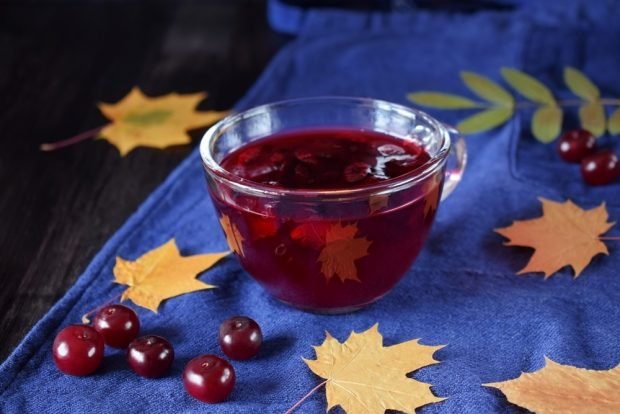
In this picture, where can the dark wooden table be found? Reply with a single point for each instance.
(57, 59)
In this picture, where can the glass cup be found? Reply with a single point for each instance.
(331, 250)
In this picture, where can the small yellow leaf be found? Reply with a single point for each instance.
(592, 117)
(547, 123)
(528, 86)
(341, 250)
(558, 388)
(484, 120)
(580, 85)
(565, 235)
(614, 123)
(487, 89)
(442, 100)
(233, 236)
(162, 273)
(139, 120)
(363, 376)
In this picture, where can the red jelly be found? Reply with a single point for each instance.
(320, 252)
(325, 159)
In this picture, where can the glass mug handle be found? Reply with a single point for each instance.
(456, 162)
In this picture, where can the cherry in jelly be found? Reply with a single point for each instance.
(325, 159)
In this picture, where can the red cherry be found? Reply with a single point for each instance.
(78, 350)
(576, 144)
(600, 168)
(209, 378)
(150, 356)
(117, 324)
(240, 337)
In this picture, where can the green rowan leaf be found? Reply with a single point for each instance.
(547, 123)
(442, 100)
(528, 86)
(592, 117)
(484, 120)
(487, 89)
(614, 123)
(580, 85)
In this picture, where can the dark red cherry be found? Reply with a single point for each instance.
(576, 144)
(600, 168)
(117, 324)
(209, 378)
(240, 337)
(78, 350)
(150, 356)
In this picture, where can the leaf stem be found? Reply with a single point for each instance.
(562, 103)
(609, 101)
(304, 398)
(609, 238)
(51, 146)
(85, 319)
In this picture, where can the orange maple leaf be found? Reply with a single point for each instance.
(558, 388)
(233, 236)
(565, 235)
(341, 251)
(162, 273)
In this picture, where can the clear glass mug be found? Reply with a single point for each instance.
(330, 250)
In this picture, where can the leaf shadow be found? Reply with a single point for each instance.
(500, 396)
(114, 362)
(179, 365)
(276, 345)
(246, 389)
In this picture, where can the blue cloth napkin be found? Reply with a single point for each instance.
(462, 292)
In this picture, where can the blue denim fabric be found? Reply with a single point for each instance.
(462, 292)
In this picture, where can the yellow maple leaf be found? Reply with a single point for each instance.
(233, 235)
(161, 274)
(160, 122)
(558, 388)
(565, 235)
(363, 376)
(341, 250)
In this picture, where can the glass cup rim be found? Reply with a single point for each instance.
(381, 188)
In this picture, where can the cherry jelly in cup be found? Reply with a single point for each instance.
(327, 201)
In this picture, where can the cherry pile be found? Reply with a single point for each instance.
(78, 350)
(597, 167)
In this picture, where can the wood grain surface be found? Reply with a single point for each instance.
(57, 59)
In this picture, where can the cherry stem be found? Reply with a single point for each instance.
(85, 319)
(609, 238)
(51, 146)
(304, 398)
